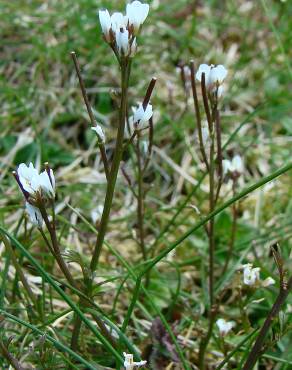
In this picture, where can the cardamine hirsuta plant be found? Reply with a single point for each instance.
(68, 314)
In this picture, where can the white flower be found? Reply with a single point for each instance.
(250, 275)
(220, 91)
(105, 23)
(129, 363)
(141, 117)
(224, 326)
(233, 166)
(33, 182)
(122, 41)
(118, 21)
(34, 215)
(136, 14)
(100, 133)
(204, 68)
(214, 76)
(268, 281)
(96, 213)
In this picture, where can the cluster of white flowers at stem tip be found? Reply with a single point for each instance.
(214, 77)
(251, 276)
(37, 188)
(224, 326)
(129, 363)
(120, 30)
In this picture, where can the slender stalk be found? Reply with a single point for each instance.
(57, 253)
(89, 111)
(233, 232)
(205, 340)
(205, 101)
(198, 115)
(75, 333)
(257, 347)
(211, 236)
(219, 148)
(211, 233)
(125, 70)
(150, 145)
(140, 199)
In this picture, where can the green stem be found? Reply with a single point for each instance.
(57, 253)
(233, 234)
(125, 70)
(140, 199)
(211, 235)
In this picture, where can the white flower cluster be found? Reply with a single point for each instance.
(36, 187)
(235, 166)
(224, 326)
(140, 118)
(129, 363)
(214, 77)
(120, 30)
(34, 183)
(251, 276)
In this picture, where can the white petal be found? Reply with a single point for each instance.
(237, 164)
(34, 215)
(99, 132)
(118, 21)
(218, 74)
(141, 117)
(105, 21)
(226, 166)
(45, 184)
(137, 13)
(203, 68)
(224, 326)
(122, 40)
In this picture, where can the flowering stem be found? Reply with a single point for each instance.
(125, 71)
(57, 253)
(233, 232)
(211, 233)
(90, 113)
(205, 101)
(198, 115)
(257, 347)
(211, 236)
(219, 148)
(140, 199)
(150, 145)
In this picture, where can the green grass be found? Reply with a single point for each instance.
(43, 118)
